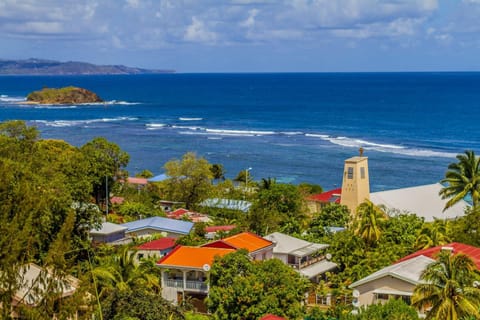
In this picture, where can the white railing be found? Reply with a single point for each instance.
(191, 285)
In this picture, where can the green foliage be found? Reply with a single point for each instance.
(145, 174)
(332, 215)
(242, 289)
(462, 179)
(394, 309)
(308, 188)
(63, 95)
(105, 160)
(278, 208)
(466, 229)
(432, 234)
(190, 179)
(368, 222)
(218, 171)
(139, 304)
(138, 210)
(447, 288)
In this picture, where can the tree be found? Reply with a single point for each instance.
(394, 309)
(462, 179)
(277, 208)
(190, 179)
(332, 215)
(432, 235)
(245, 289)
(106, 160)
(267, 183)
(448, 288)
(368, 221)
(218, 171)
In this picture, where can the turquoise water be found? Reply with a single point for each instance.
(294, 127)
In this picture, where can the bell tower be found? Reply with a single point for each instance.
(355, 183)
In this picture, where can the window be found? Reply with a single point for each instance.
(362, 172)
(350, 173)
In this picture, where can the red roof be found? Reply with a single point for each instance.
(178, 213)
(471, 251)
(159, 244)
(220, 228)
(271, 317)
(328, 196)
(117, 200)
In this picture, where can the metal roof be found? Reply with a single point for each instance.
(408, 270)
(318, 268)
(423, 201)
(160, 224)
(108, 228)
(290, 245)
(231, 204)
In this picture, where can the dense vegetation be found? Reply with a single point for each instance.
(66, 95)
(53, 193)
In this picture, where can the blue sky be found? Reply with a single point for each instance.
(247, 35)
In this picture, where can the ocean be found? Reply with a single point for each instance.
(294, 127)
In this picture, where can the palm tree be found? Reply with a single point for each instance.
(448, 289)
(121, 272)
(432, 235)
(462, 179)
(368, 221)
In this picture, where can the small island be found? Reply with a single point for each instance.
(66, 95)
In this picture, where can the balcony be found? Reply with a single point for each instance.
(189, 284)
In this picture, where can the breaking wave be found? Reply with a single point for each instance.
(79, 123)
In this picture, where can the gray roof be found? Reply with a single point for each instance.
(160, 224)
(108, 228)
(424, 201)
(408, 270)
(318, 268)
(290, 245)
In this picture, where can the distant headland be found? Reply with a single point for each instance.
(50, 67)
(66, 95)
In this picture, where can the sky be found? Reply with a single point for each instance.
(247, 35)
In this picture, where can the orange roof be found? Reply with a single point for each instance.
(247, 240)
(192, 257)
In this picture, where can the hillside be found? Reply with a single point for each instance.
(51, 67)
(66, 95)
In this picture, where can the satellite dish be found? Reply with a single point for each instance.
(328, 256)
(206, 267)
(476, 284)
(356, 293)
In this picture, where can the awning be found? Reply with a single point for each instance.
(392, 292)
(318, 268)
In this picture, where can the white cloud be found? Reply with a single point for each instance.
(197, 31)
(250, 21)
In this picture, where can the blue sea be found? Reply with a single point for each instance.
(292, 127)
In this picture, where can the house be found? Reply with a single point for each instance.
(400, 279)
(309, 259)
(156, 248)
(212, 231)
(316, 202)
(185, 273)
(33, 287)
(109, 233)
(158, 225)
(195, 217)
(258, 248)
(396, 281)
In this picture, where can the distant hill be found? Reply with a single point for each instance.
(51, 67)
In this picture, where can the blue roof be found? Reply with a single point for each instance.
(159, 178)
(160, 224)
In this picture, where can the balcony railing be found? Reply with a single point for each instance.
(190, 284)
